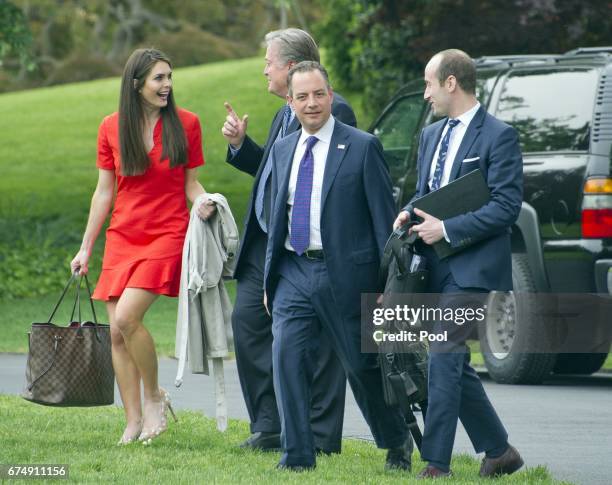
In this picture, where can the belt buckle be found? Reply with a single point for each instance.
(314, 254)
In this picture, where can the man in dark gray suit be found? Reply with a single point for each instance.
(251, 323)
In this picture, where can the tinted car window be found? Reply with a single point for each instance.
(551, 109)
(396, 131)
(485, 82)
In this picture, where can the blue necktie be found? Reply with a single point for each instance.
(260, 197)
(300, 216)
(286, 120)
(437, 177)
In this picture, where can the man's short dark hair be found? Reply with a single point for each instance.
(307, 66)
(454, 62)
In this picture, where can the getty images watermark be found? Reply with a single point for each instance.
(391, 322)
(520, 322)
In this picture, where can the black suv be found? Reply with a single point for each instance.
(561, 106)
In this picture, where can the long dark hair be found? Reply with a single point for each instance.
(134, 157)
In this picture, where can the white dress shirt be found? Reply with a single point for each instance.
(454, 143)
(319, 153)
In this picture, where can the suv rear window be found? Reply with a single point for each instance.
(550, 109)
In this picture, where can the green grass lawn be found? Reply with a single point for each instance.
(191, 451)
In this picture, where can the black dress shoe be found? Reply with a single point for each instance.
(431, 471)
(262, 441)
(506, 464)
(295, 468)
(400, 458)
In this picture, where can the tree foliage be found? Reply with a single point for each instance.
(76, 40)
(377, 45)
(15, 36)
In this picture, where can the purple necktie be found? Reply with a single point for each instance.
(300, 216)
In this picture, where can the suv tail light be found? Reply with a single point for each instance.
(597, 208)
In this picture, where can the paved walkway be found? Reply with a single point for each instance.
(565, 425)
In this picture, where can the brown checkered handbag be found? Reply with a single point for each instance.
(70, 366)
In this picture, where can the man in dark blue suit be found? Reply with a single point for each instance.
(331, 214)
(251, 323)
(467, 139)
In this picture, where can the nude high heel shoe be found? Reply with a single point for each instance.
(147, 436)
(168, 404)
(126, 440)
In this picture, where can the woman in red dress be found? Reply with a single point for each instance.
(149, 151)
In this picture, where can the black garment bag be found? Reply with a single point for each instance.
(403, 364)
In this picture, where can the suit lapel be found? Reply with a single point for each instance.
(294, 125)
(273, 133)
(472, 132)
(338, 146)
(429, 154)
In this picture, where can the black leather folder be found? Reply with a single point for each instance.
(465, 194)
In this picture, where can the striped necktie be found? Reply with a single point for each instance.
(437, 178)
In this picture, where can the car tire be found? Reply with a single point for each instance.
(511, 325)
(579, 363)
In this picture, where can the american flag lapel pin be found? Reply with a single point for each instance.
(341, 147)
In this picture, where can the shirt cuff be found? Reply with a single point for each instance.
(233, 149)
(444, 231)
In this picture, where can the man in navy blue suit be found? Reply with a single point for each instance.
(331, 215)
(251, 323)
(467, 139)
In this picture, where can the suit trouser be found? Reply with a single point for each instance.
(303, 305)
(252, 328)
(455, 390)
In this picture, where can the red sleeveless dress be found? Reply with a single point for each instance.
(144, 240)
